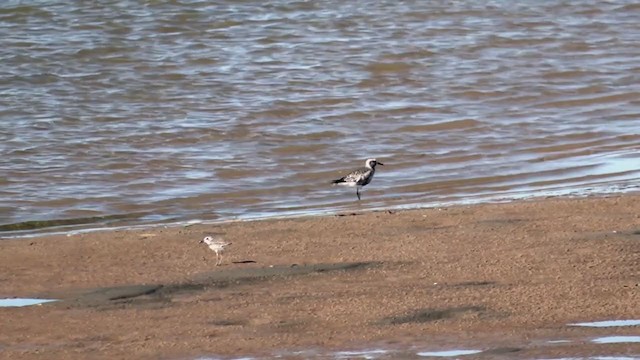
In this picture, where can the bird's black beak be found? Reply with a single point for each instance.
(379, 163)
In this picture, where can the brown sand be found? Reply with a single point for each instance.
(506, 278)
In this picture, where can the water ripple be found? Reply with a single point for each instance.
(216, 110)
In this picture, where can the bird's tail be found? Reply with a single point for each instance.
(338, 181)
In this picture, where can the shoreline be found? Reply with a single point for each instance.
(77, 228)
(503, 276)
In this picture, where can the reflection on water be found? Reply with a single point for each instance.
(20, 302)
(559, 341)
(381, 354)
(616, 339)
(215, 358)
(599, 358)
(365, 354)
(609, 323)
(448, 353)
(125, 112)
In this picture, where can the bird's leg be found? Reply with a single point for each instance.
(358, 192)
(217, 259)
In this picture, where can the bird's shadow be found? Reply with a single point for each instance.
(244, 262)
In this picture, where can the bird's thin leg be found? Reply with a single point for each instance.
(358, 192)
(217, 259)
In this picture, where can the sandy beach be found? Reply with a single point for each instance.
(506, 279)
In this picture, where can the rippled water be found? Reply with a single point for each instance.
(154, 111)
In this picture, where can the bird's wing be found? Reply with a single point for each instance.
(354, 176)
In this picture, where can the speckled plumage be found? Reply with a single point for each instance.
(359, 177)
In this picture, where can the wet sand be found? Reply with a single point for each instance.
(504, 278)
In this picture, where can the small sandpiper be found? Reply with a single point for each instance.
(216, 244)
(360, 177)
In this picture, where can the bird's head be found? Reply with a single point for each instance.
(371, 163)
(207, 240)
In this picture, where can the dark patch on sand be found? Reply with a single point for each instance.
(157, 294)
(473, 283)
(286, 326)
(249, 275)
(501, 351)
(428, 315)
(224, 322)
(93, 297)
(347, 214)
(503, 221)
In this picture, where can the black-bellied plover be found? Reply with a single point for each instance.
(360, 177)
(216, 244)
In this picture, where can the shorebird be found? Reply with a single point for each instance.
(360, 177)
(216, 244)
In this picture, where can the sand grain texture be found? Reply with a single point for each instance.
(505, 278)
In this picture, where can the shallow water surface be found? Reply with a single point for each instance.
(616, 339)
(20, 302)
(396, 354)
(120, 112)
(448, 353)
(599, 358)
(608, 323)
(363, 354)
